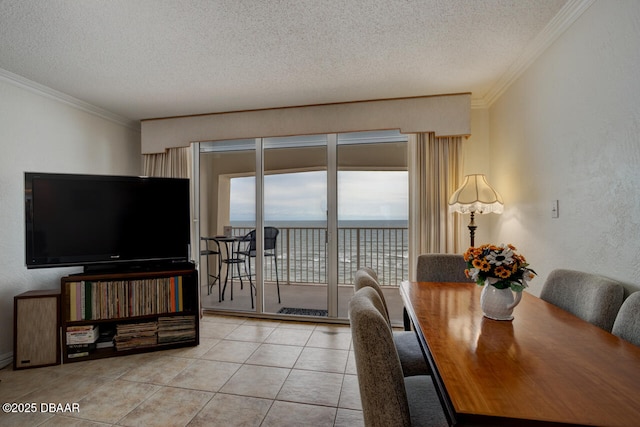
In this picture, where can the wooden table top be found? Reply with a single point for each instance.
(545, 365)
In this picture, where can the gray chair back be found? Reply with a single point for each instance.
(366, 277)
(441, 268)
(380, 377)
(627, 323)
(371, 272)
(591, 297)
(409, 352)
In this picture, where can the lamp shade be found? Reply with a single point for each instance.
(475, 195)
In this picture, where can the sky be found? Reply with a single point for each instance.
(362, 195)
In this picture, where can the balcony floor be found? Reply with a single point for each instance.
(310, 296)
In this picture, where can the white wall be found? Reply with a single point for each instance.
(41, 134)
(477, 159)
(569, 129)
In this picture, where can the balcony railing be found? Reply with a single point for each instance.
(301, 254)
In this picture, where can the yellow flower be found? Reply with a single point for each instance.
(502, 272)
(519, 258)
(482, 264)
(493, 264)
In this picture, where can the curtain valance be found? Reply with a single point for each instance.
(442, 115)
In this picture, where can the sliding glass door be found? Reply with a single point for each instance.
(313, 209)
(227, 188)
(295, 207)
(372, 190)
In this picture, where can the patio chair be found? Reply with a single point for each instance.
(388, 398)
(269, 249)
(212, 276)
(409, 351)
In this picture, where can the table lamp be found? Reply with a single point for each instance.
(475, 195)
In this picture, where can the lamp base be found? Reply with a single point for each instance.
(472, 229)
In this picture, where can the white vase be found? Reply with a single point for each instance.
(498, 304)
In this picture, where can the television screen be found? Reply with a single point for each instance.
(74, 220)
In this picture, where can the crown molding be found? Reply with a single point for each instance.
(478, 103)
(47, 92)
(569, 13)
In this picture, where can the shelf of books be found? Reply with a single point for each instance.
(115, 314)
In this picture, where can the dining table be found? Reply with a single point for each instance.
(544, 367)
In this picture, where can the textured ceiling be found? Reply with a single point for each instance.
(152, 58)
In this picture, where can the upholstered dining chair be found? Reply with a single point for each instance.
(388, 398)
(411, 358)
(627, 323)
(434, 267)
(441, 268)
(591, 297)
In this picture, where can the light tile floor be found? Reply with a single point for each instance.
(245, 372)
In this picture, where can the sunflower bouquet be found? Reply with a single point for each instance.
(499, 266)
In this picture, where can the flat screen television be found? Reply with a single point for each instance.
(106, 222)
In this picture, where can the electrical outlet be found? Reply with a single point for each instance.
(555, 213)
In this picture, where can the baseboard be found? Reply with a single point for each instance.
(6, 359)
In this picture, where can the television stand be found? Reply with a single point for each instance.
(111, 314)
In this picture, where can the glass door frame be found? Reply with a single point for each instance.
(259, 204)
(332, 225)
(332, 272)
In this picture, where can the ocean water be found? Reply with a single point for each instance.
(302, 252)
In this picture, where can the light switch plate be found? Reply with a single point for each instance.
(554, 209)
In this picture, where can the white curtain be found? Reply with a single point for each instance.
(173, 163)
(435, 172)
